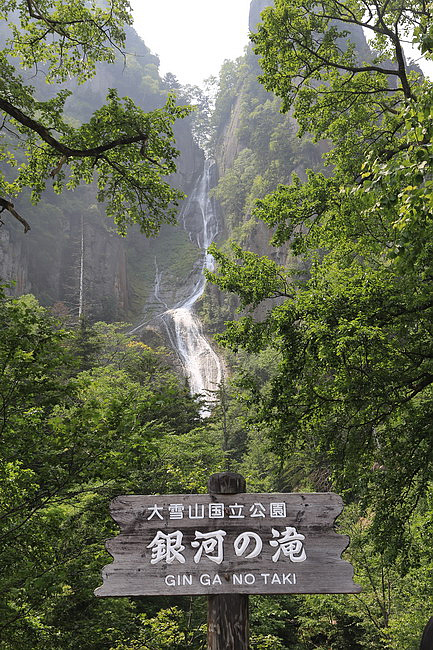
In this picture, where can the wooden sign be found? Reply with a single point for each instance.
(227, 544)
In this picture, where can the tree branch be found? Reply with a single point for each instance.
(340, 66)
(7, 205)
(62, 148)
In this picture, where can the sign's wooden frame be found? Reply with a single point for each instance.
(227, 544)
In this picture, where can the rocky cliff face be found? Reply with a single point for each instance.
(14, 260)
(256, 8)
(72, 232)
(64, 239)
(257, 148)
(72, 252)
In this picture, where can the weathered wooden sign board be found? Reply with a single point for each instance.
(227, 544)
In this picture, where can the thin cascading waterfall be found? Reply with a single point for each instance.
(81, 281)
(202, 365)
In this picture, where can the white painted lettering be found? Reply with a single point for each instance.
(235, 511)
(205, 579)
(275, 579)
(180, 580)
(265, 577)
(167, 548)
(216, 580)
(216, 511)
(277, 509)
(196, 511)
(155, 510)
(237, 579)
(257, 510)
(243, 541)
(249, 579)
(287, 578)
(289, 543)
(176, 510)
(211, 544)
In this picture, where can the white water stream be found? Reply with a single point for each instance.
(201, 364)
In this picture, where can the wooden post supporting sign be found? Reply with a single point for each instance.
(227, 544)
(427, 637)
(228, 616)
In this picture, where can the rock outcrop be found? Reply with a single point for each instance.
(72, 254)
(256, 8)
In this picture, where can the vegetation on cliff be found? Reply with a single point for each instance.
(350, 396)
(128, 151)
(331, 374)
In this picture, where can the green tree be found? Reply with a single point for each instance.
(70, 441)
(127, 151)
(354, 385)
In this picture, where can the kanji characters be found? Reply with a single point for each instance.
(257, 510)
(274, 509)
(216, 511)
(211, 544)
(196, 511)
(167, 547)
(176, 510)
(277, 510)
(155, 510)
(236, 510)
(289, 543)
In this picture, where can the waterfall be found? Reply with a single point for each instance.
(201, 364)
(81, 284)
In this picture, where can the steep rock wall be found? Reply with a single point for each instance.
(256, 8)
(257, 148)
(71, 231)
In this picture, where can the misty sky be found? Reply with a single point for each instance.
(192, 37)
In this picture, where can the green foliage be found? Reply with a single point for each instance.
(71, 440)
(81, 34)
(354, 382)
(339, 377)
(201, 118)
(171, 629)
(233, 188)
(350, 399)
(128, 151)
(79, 437)
(257, 277)
(228, 85)
(249, 126)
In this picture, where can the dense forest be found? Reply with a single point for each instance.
(318, 305)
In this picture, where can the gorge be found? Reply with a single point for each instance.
(304, 362)
(203, 368)
(73, 260)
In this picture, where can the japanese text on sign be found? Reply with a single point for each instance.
(169, 547)
(274, 510)
(216, 543)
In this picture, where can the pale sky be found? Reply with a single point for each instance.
(192, 37)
